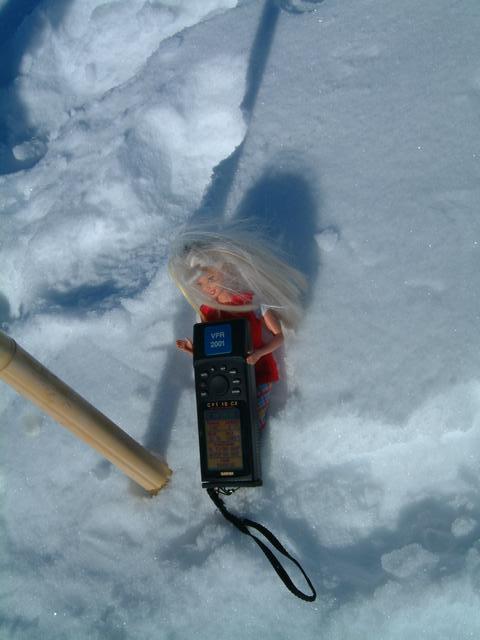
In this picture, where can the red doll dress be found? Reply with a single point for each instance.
(266, 370)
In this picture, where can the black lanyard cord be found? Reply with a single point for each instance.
(243, 525)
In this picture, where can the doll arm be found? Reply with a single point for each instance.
(273, 325)
(185, 345)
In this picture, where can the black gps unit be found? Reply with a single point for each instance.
(226, 404)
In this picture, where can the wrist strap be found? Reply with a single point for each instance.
(243, 525)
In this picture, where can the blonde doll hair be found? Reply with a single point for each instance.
(246, 264)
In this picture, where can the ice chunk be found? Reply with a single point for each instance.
(32, 149)
(327, 239)
(463, 526)
(408, 561)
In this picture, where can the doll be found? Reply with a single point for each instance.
(226, 275)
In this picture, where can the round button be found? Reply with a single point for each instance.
(218, 385)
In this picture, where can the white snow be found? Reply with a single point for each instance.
(349, 130)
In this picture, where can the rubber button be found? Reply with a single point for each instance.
(218, 385)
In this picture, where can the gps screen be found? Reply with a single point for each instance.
(224, 439)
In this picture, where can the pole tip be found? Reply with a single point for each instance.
(7, 350)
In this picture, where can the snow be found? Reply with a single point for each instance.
(349, 130)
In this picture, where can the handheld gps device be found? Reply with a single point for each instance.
(228, 429)
(226, 404)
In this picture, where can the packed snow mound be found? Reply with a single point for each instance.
(149, 146)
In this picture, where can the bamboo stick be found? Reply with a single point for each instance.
(32, 380)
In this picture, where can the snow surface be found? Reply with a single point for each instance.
(350, 130)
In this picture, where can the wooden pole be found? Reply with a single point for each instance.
(32, 380)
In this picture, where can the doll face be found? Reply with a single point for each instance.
(210, 282)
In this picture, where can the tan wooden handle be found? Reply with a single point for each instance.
(32, 380)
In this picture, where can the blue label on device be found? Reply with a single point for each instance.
(218, 339)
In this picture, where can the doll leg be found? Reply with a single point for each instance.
(263, 402)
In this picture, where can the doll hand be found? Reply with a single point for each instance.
(253, 358)
(185, 345)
